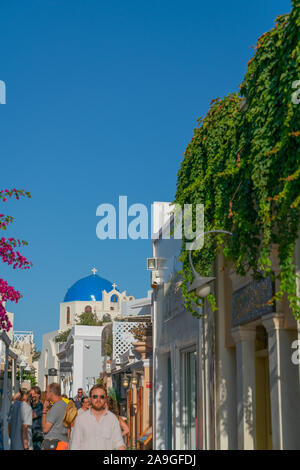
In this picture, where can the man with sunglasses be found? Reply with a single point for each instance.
(97, 428)
(78, 398)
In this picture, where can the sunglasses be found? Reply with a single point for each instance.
(94, 397)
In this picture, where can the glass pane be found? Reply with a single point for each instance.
(189, 400)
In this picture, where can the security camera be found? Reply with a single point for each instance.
(157, 278)
(154, 285)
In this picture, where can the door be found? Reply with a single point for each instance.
(263, 404)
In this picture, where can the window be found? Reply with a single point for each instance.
(88, 309)
(114, 298)
(68, 315)
(188, 399)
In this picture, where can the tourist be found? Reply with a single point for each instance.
(20, 423)
(112, 406)
(85, 405)
(37, 412)
(97, 428)
(78, 397)
(52, 421)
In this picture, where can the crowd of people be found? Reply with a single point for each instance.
(61, 423)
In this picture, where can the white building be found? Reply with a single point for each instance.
(81, 359)
(226, 381)
(179, 374)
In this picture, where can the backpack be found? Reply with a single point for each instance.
(70, 414)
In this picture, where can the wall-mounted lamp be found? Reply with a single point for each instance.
(130, 379)
(125, 382)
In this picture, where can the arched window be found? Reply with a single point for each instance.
(88, 309)
(68, 315)
(114, 298)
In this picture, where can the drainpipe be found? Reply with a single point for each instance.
(154, 339)
(154, 326)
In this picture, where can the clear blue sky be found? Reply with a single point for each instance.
(102, 99)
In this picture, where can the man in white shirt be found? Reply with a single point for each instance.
(20, 424)
(97, 428)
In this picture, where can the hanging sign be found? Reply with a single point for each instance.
(65, 367)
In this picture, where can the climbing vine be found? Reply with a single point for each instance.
(243, 164)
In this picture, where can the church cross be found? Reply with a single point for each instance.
(114, 285)
(94, 270)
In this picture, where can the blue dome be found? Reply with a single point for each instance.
(87, 286)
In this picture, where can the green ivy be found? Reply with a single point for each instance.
(243, 165)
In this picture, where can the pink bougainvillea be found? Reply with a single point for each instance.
(10, 255)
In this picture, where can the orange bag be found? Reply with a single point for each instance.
(62, 445)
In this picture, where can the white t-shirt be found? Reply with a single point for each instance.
(90, 434)
(20, 413)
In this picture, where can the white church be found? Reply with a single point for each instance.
(91, 294)
(77, 361)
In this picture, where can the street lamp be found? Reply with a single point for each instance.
(125, 382)
(134, 379)
(200, 284)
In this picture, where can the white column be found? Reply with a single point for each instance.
(284, 384)
(244, 338)
(226, 437)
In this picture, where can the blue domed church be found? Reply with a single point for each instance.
(91, 294)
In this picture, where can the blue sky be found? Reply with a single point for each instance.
(102, 99)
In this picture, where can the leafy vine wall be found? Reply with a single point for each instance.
(243, 164)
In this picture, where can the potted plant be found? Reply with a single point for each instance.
(143, 334)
